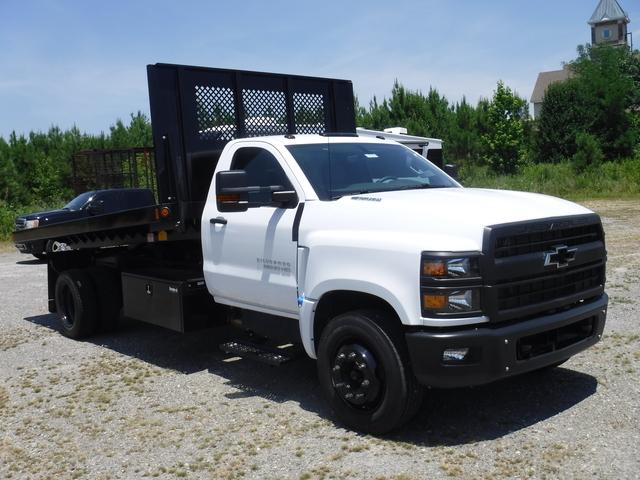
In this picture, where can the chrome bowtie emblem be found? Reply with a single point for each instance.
(561, 257)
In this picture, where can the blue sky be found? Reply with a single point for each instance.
(68, 62)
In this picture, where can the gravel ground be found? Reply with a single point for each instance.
(148, 403)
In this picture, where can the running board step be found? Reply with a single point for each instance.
(262, 353)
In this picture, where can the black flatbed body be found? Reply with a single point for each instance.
(139, 225)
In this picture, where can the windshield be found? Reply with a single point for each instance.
(78, 202)
(341, 169)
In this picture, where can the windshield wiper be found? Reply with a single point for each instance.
(364, 192)
(421, 187)
(359, 192)
(407, 187)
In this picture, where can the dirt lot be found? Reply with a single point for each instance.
(147, 403)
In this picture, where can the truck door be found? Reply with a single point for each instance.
(250, 261)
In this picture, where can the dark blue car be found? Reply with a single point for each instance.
(86, 204)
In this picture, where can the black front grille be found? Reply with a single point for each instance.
(531, 242)
(521, 283)
(20, 224)
(549, 287)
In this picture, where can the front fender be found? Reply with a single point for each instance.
(308, 305)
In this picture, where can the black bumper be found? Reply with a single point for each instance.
(30, 247)
(497, 352)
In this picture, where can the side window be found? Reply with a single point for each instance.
(262, 169)
(97, 198)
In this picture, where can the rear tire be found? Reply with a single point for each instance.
(76, 304)
(364, 372)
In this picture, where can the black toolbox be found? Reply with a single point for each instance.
(174, 299)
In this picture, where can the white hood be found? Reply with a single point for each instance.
(442, 219)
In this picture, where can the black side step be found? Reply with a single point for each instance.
(262, 353)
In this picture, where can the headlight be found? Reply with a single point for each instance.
(451, 301)
(450, 284)
(445, 267)
(31, 224)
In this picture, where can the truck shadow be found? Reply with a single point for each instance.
(33, 261)
(447, 417)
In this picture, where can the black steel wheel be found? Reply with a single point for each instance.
(76, 304)
(365, 374)
(355, 376)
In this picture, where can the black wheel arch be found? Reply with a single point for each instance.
(337, 302)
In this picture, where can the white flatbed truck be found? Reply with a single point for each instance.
(274, 214)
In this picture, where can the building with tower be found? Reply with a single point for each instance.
(609, 26)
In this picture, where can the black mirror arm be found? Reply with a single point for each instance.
(252, 189)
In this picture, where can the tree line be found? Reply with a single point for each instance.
(591, 118)
(35, 169)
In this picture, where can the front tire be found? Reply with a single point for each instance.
(364, 372)
(76, 304)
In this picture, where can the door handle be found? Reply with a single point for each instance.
(219, 220)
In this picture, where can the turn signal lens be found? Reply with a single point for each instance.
(228, 197)
(435, 302)
(165, 212)
(434, 269)
(451, 301)
(449, 267)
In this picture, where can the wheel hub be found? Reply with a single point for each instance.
(68, 309)
(354, 376)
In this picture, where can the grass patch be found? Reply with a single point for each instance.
(608, 180)
(7, 247)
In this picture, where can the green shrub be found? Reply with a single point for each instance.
(588, 152)
(8, 214)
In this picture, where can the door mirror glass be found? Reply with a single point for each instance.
(232, 191)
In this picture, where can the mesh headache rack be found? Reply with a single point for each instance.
(195, 111)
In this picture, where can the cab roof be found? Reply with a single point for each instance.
(306, 139)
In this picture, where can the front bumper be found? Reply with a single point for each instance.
(497, 352)
(30, 247)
